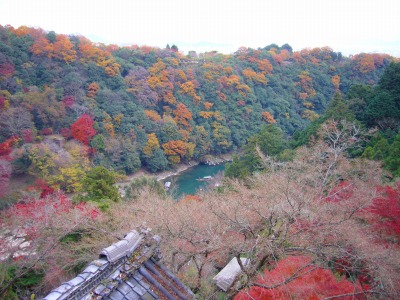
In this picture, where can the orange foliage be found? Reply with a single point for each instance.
(233, 80)
(42, 46)
(364, 62)
(266, 115)
(298, 58)
(154, 82)
(64, 49)
(168, 97)
(189, 198)
(306, 84)
(252, 75)
(182, 115)
(303, 96)
(92, 90)
(102, 58)
(25, 30)
(228, 70)
(249, 73)
(146, 49)
(182, 75)
(315, 61)
(336, 82)
(152, 115)
(175, 150)
(265, 66)
(188, 89)
(176, 147)
(208, 105)
(157, 67)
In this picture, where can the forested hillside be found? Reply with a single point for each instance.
(127, 107)
(312, 199)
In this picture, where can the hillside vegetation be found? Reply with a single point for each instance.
(128, 107)
(310, 197)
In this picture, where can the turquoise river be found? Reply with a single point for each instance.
(187, 183)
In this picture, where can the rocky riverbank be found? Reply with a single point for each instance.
(216, 160)
(160, 175)
(210, 160)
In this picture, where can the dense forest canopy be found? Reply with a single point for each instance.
(305, 200)
(158, 107)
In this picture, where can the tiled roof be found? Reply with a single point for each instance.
(127, 270)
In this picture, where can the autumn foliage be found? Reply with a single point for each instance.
(61, 49)
(384, 213)
(295, 277)
(6, 147)
(182, 116)
(82, 130)
(175, 150)
(266, 115)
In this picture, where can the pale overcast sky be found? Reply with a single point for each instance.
(349, 26)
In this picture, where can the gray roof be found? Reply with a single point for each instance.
(138, 275)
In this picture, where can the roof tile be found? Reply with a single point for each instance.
(116, 295)
(121, 281)
(124, 288)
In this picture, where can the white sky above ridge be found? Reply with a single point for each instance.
(348, 26)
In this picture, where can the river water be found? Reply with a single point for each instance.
(186, 183)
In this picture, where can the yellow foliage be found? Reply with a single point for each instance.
(182, 75)
(206, 114)
(310, 115)
(118, 119)
(157, 67)
(308, 104)
(151, 145)
(174, 159)
(154, 82)
(190, 150)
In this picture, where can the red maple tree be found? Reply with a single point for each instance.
(82, 130)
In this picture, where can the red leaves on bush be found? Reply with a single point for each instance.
(6, 147)
(68, 101)
(82, 130)
(294, 277)
(384, 213)
(53, 210)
